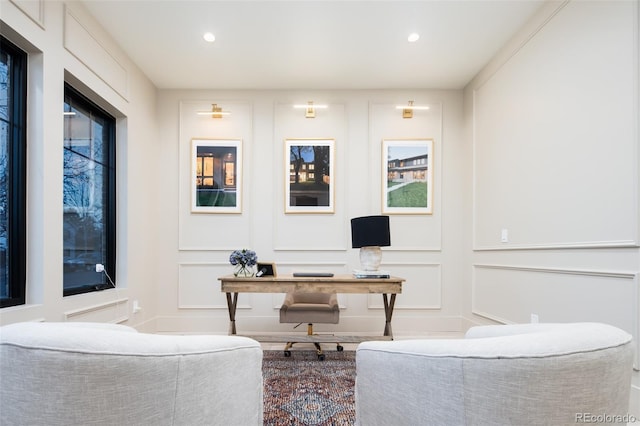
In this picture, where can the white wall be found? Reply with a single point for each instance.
(198, 245)
(544, 144)
(65, 44)
(554, 124)
(168, 258)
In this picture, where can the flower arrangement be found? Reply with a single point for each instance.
(244, 260)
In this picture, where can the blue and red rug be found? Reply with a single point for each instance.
(301, 390)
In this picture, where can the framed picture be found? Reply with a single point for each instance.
(309, 175)
(266, 269)
(216, 176)
(407, 176)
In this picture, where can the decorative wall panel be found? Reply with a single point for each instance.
(79, 40)
(421, 290)
(408, 232)
(510, 294)
(33, 9)
(115, 311)
(553, 167)
(222, 232)
(199, 288)
(311, 231)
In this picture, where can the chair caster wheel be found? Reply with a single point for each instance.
(320, 357)
(287, 354)
(339, 348)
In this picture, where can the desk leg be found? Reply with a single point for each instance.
(388, 312)
(232, 302)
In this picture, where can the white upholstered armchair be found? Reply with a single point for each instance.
(105, 374)
(533, 374)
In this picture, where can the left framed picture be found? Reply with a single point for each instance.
(216, 176)
(309, 175)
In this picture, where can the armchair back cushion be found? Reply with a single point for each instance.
(533, 374)
(97, 374)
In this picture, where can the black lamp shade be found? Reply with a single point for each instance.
(370, 231)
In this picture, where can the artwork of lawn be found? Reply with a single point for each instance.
(407, 172)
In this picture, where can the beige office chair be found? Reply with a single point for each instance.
(321, 308)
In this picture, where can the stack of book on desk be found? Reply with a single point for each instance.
(358, 273)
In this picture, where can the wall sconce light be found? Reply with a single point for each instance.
(310, 109)
(216, 112)
(407, 110)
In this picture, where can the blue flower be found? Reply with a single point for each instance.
(243, 257)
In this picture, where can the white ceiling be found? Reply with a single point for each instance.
(305, 44)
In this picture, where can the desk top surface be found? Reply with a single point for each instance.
(291, 278)
(286, 283)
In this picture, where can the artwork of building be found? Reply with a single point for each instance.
(404, 170)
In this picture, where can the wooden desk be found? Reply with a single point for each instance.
(388, 287)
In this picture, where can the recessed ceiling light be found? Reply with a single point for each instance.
(209, 37)
(413, 37)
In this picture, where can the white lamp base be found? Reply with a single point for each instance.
(370, 258)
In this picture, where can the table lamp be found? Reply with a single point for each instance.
(369, 233)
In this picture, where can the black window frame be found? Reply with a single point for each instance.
(103, 281)
(17, 176)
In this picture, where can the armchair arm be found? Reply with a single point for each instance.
(405, 386)
(507, 330)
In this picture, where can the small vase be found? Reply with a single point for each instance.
(243, 271)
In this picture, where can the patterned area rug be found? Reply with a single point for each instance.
(301, 390)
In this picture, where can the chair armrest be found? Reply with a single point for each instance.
(506, 330)
(400, 386)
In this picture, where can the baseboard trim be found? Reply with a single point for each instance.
(402, 325)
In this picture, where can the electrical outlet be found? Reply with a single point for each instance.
(136, 307)
(534, 318)
(504, 236)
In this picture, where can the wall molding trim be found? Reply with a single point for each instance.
(207, 249)
(403, 326)
(426, 249)
(628, 278)
(90, 51)
(588, 272)
(550, 11)
(114, 305)
(299, 249)
(494, 318)
(556, 246)
(32, 9)
(182, 306)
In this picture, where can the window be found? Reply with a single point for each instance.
(13, 177)
(89, 195)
